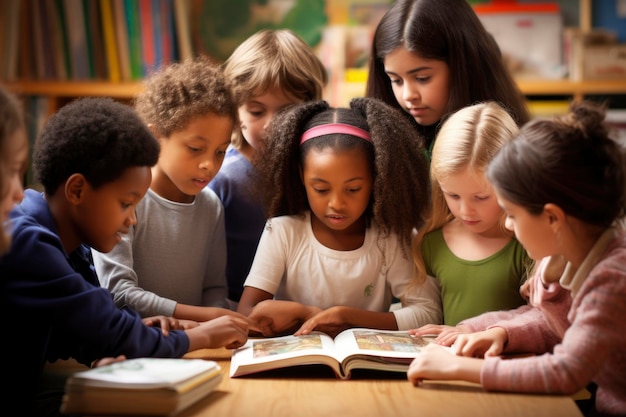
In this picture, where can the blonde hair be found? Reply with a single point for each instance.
(469, 138)
(274, 59)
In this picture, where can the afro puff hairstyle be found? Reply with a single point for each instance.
(401, 190)
(96, 137)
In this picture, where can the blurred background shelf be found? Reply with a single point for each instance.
(576, 89)
(125, 90)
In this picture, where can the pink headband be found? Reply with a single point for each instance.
(332, 128)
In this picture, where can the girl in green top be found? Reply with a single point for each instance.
(477, 262)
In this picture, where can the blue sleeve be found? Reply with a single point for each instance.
(64, 314)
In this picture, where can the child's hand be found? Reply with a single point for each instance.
(226, 331)
(276, 317)
(330, 321)
(446, 335)
(166, 323)
(108, 360)
(434, 362)
(486, 343)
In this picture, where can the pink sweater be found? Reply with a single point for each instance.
(593, 347)
(548, 305)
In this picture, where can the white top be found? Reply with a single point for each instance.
(293, 265)
(175, 253)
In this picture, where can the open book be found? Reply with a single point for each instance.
(384, 350)
(143, 386)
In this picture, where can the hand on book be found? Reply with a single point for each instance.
(434, 362)
(330, 321)
(489, 342)
(226, 331)
(278, 317)
(446, 335)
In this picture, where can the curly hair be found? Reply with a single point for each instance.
(274, 58)
(97, 137)
(569, 160)
(182, 91)
(448, 31)
(469, 138)
(11, 121)
(400, 192)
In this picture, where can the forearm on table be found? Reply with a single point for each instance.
(356, 317)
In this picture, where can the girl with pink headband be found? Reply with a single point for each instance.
(344, 190)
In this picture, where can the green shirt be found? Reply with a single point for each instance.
(470, 288)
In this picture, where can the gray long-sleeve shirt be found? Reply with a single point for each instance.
(175, 253)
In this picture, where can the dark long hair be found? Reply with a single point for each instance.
(401, 191)
(449, 31)
(569, 161)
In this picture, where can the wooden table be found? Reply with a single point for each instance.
(299, 396)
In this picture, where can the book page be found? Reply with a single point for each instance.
(385, 350)
(378, 343)
(279, 352)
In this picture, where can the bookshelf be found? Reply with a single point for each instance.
(126, 90)
(72, 89)
(183, 33)
(576, 89)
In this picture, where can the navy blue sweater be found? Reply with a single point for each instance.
(54, 307)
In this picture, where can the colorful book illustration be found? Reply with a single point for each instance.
(382, 350)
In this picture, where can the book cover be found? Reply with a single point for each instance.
(134, 38)
(58, 44)
(77, 38)
(382, 350)
(146, 31)
(41, 55)
(142, 386)
(10, 16)
(26, 56)
(182, 16)
(157, 36)
(169, 53)
(121, 36)
(110, 43)
(64, 37)
(98, 64)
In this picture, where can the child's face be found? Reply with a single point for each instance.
(338, 186)
(421, 86)
(191, 157)
(472, 201)
(532, 231)
(15, 161)
(256, 113)
(107, 212)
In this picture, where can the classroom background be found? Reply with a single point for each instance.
(53, 51)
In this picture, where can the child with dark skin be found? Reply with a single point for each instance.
(94, 160)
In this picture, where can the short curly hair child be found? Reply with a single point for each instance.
(97, 137)
(181, 91)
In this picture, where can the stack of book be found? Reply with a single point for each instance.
(143, 386)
